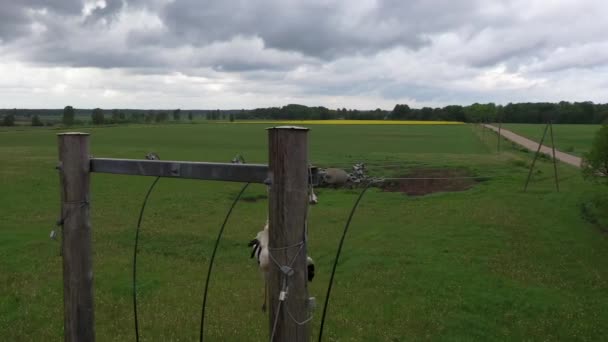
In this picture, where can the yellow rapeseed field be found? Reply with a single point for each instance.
(351, 122)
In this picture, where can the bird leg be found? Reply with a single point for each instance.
(265, 296)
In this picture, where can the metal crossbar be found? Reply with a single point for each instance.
(246, 173)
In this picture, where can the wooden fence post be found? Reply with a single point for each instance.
(288, 204)
(74, 170)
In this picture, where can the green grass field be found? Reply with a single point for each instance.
(490, 263)
(575, 139)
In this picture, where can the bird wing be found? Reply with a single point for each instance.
(255, 243)
(310, 268)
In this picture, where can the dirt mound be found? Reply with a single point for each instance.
(429, 180)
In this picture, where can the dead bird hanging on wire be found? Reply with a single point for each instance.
(260, 251)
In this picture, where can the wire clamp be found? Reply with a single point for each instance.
(288, 271)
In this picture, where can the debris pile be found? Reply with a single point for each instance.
(339, 178)
(238, 159)
(417, 182)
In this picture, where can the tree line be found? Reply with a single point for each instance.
(71, 116)
(539, 112)
(117, 116)
(562, 112)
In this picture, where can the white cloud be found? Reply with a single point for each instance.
(361, 54)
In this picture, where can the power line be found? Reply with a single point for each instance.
(380, 180)
(141, 214)
(217, 242)
(333, 271)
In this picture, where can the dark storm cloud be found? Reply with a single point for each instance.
(316, 28)
(432, 51)
(326, 30)
(488, 33)
(16, 16)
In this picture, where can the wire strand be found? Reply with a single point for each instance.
(278, 264)
(333, 271)
(217, 242)
(381, 179)
(276, 320)
(286, 247)
(141, 214)
(70, 211)
(304, 322)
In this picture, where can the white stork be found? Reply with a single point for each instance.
(260, 251)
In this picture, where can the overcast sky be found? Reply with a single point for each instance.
(256, 53)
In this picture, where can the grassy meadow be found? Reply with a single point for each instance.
(490, 263)
(574, 139)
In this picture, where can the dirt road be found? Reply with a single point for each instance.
(533, 146)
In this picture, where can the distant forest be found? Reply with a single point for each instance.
(562, 112)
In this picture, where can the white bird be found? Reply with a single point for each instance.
(260, 251)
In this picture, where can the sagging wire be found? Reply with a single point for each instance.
(333, 271)
(137, 229)
(149, 156)
(217, 242)
(304, 322)
(380, 180)
(350, 217)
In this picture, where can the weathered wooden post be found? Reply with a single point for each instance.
(74, 170)
(288, 204)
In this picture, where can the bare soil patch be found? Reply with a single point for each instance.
(424, 181)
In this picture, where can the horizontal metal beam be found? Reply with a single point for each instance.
(252, 173)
